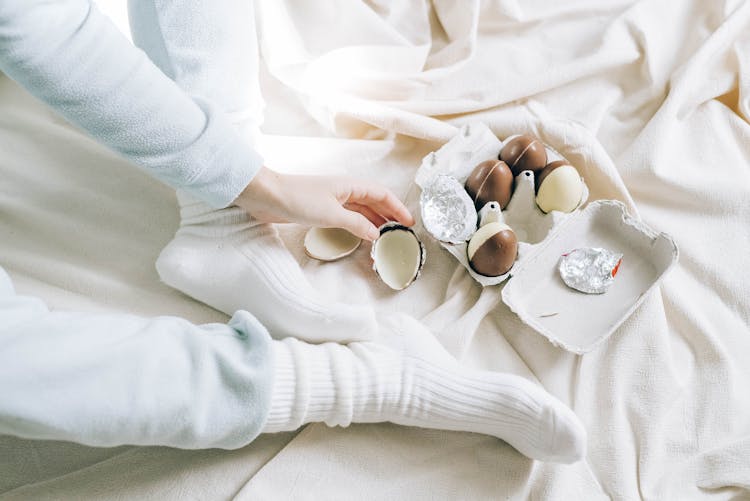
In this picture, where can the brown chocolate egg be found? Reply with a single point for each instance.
(524, 153)
(559, 187)
(490, 181)
(492, 249)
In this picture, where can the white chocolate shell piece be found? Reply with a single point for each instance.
(483, 234)
(397, 255)
(329, 244)
(448, 213)
(561, 190)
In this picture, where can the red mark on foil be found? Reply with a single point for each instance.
(617, 267)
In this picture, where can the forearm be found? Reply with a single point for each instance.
(73, 58)
(209, 48)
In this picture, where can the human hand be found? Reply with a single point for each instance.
(356, 205)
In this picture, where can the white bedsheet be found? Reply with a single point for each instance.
(651, 100)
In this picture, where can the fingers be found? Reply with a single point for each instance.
(355, 223)
(370, 214)
(376, 197)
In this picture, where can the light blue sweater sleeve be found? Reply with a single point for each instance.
(113, 379)
(69, 55)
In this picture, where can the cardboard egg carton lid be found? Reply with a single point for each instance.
(534, 290)
(574, 320)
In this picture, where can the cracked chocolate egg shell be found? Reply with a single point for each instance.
(330, 244)
(397, 255)
(490, 181)
(559, 187)
(524, 153)
(493, 249)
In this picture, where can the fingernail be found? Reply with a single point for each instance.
(373, 234)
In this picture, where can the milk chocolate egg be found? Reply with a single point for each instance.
(490, 181)
(559, 187)
(524, 153)
(492, 249)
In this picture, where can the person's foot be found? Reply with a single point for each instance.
(227, 260)
(408, 379)
(446, 395)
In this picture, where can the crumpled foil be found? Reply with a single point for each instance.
(448, 212)
(591, 269)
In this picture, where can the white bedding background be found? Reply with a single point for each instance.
(650, 100)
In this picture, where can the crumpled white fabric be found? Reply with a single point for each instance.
(650, 100)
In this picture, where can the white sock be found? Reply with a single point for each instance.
(231, 262)
(417, 384)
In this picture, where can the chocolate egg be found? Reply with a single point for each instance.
(559, 187)
(493, 249)
(524, 153)
(490, 181)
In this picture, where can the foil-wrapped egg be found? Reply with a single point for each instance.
(447, 211)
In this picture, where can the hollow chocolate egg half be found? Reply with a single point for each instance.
(492, 249)
(559, 187)
(330, 244)
(397, 255)
(490, 181)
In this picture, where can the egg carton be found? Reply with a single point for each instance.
(534, 290)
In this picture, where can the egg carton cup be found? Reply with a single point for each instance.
(535, 291)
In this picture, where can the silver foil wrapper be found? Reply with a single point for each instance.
(591, 270)
(447, 210)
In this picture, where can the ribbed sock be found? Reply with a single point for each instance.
(229, 261)
(417, 384)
